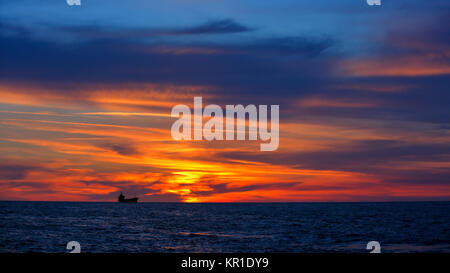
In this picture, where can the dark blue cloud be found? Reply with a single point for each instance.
(251, 65)
(370, 157)
(121, 148)
(214, 27)
(226, 188)
(226, 26)
(15, 171)
(259, 71)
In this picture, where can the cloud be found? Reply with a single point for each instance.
(162, 197)
(14, 172)
(112, 61)
(121, 148)
(362, 155)
(407, 52)
(215, 27)
(225, 26)
(292, 45)
(227, 188)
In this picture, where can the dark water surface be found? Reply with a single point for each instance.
(227, 227)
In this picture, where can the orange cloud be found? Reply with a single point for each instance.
(409, 66)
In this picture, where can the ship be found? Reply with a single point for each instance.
(122, 199)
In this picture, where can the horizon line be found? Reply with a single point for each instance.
(244, 202)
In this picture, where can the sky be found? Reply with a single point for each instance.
(86, 94)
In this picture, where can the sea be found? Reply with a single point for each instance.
(224, 227)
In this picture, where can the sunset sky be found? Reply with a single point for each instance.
(86, 95)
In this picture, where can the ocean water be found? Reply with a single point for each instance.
(224, 227)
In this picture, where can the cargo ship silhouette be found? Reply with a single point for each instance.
(122, 199)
